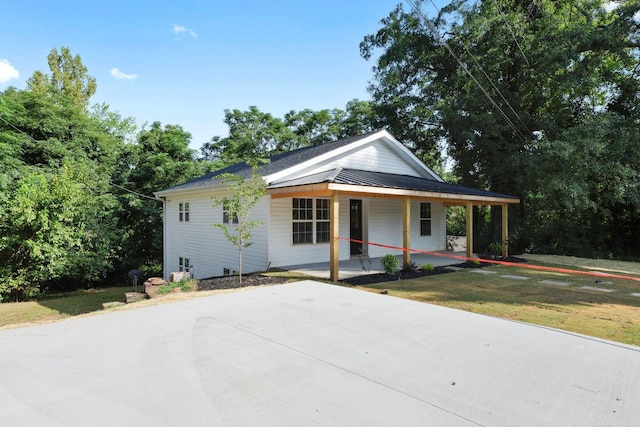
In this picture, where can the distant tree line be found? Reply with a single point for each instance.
(533, 99)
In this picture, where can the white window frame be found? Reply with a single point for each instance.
(426, 217)
(184, 264)
(183, 212)
(319, 214)
(225, 217)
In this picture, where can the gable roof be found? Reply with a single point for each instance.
(281, 162)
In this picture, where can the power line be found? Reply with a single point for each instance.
(111, 183)
(487, 77)
(506, 21)
(135, 192)
(464, 67)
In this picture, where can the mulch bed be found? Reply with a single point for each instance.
(232, 282)
(253, 279)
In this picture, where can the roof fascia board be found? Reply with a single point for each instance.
(324, 189)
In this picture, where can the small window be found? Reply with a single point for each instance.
(225, 217)
(183, 212)
(183, 264)
(425, 219)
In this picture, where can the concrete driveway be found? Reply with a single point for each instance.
(311, 354)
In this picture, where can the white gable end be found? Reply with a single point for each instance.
(378, 153)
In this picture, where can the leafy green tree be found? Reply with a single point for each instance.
(245, 194)
(54, 227)
(509, 84)
(160, 158)
(255, 135)
(68, 75)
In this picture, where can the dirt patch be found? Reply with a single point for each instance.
(233, 282)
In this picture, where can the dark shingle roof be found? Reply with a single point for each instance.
(387, 180)
(276, 162)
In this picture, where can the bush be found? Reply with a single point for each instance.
(186, 285)
(427, 267)
(410, 268)
(495, 249)
(389, 263)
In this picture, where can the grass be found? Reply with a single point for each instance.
(59, 306)
(610, 315)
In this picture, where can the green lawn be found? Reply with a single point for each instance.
(59, 306)
(610, 315)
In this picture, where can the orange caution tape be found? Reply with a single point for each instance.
(507, 263)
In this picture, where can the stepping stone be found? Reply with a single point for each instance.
(635, 294)
(481, 271)
(553, 282)
(515, 277)
(593, 288)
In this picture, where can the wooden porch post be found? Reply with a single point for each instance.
(406, 230)
(505, 230)
(469, 229)
(334, 234)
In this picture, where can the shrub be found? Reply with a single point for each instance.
(410, 268)
(186, 285)
(495, 249)
(427, 267)
(389, 263)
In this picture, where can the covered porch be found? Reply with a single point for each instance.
(342, 183)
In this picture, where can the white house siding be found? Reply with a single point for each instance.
(206, 247)
(382, 219)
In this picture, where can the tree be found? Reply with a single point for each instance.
(68, 75)
(255, 135)
(506, 85)
(245, 194)
(160, 158)
(54, 227)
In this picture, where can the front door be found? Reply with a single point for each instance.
(355, 225)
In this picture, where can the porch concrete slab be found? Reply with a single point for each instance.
(362, 266)
(308, 353)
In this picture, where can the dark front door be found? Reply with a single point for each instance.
(355, 225)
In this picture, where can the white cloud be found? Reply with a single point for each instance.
(178, 29)
(611, 5)
(7, 71)
(120, 75)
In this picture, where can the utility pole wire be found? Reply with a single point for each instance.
(464, 67)
(157, 199)
(486, 76)
(511, 31)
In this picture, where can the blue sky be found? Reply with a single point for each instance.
(185, 62)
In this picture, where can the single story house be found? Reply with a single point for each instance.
(322, 204)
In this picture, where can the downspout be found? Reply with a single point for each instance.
(165, 264)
